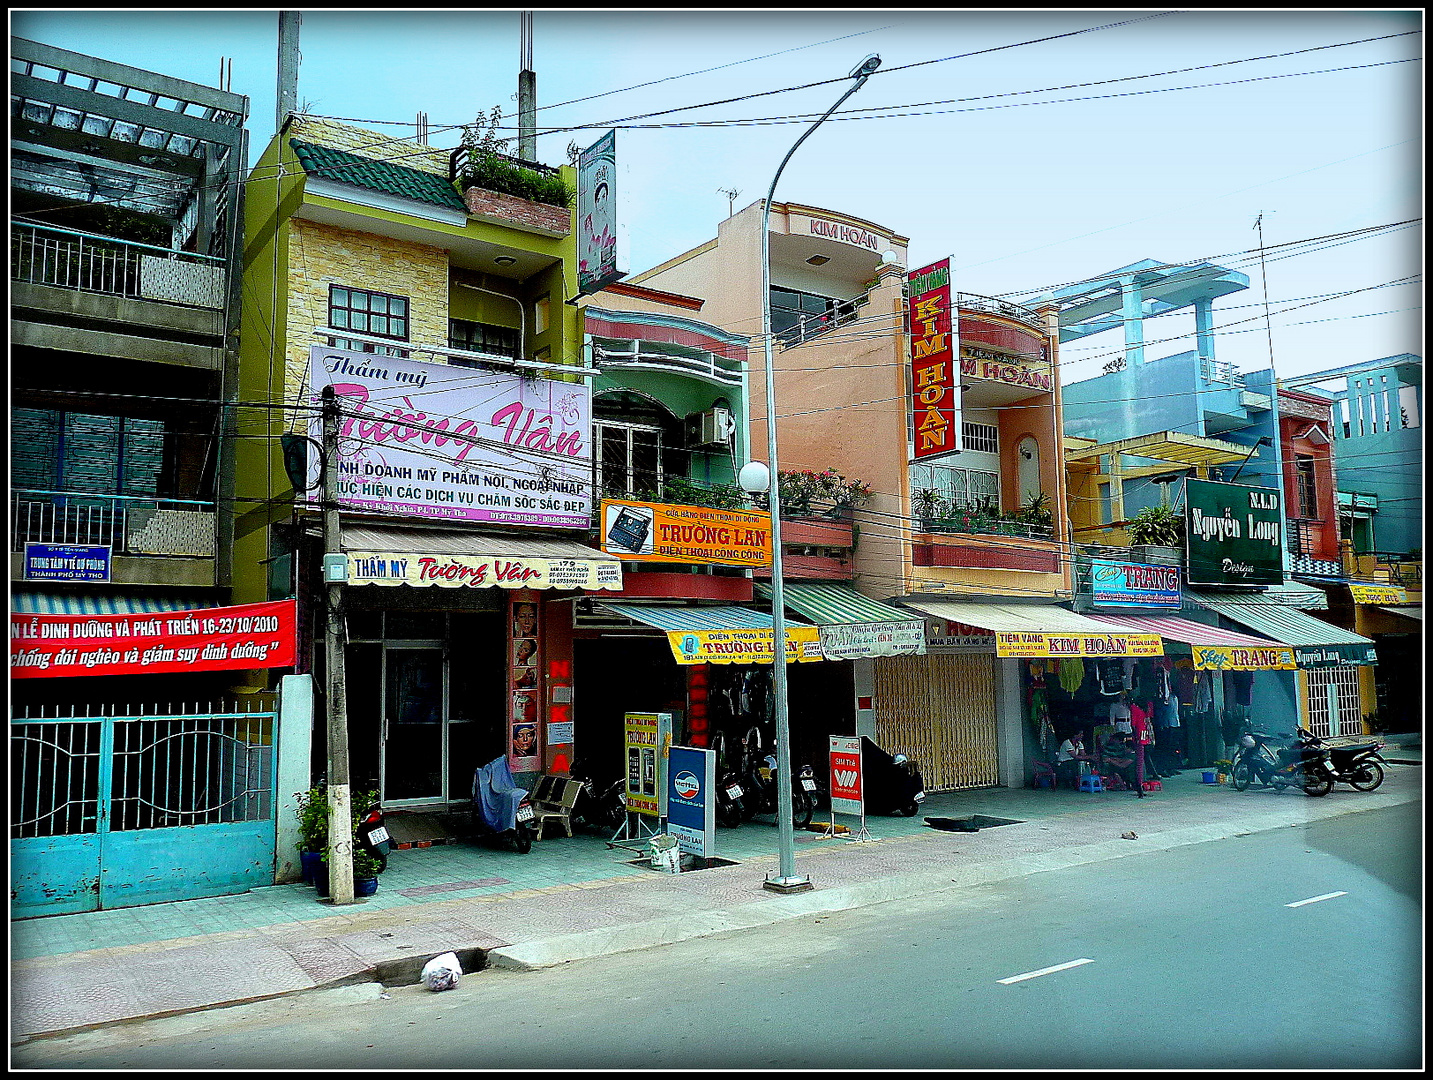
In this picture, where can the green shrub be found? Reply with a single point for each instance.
(488, 167)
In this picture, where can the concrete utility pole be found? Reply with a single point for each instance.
(288, 100)
(340, 814)
(526, 93)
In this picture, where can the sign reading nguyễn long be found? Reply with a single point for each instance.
(935, 363)
(1233, 534)
(455, 443)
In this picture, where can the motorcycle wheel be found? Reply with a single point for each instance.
(800, 809)
(1317, 785)
(1240, 775)
(909, 809)
(748, 807)
(522, 840)
(728, 815)
(1368, 776)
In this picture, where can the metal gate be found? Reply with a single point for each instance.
(1333, 702)
(114, 811)
(940, 709)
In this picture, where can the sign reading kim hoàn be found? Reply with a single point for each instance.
(935, 363)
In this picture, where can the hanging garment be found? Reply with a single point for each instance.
(1110, 677)
(1166, 713)
(1184, 681)
(1072, 675)
(1163, 690)
(1037, 673)
(1203, 692)
(1127, 672)
(1120, 716)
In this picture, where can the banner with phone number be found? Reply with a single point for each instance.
(205, 639)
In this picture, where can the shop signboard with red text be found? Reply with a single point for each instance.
(935, 363)
(846, 794)
(207, 639)
(455, 443)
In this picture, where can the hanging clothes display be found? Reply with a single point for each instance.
(1072, 674)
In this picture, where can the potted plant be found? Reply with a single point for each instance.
(1221, 770)
(365, 873)
(928, 507)
(1158, 533)
(484, 166)
(313, 829)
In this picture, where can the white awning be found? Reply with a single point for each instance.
(450, 558)
(1038, 630)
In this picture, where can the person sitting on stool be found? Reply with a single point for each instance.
(1119, 758)
(1067, 762)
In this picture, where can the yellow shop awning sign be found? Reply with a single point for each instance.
(1378, 594)
(743, 645)
(1033, 644)
(1226, 658)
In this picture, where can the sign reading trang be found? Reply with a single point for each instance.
(935, 367)
(1233, 534)
(206, 639)
(455, 443)
(1222, 658)
(662, 532)
(1126, 585)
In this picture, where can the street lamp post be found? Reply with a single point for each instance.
(786, 879)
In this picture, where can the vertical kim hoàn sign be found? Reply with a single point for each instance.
(599, 260)
(456, 443)
(935, 364)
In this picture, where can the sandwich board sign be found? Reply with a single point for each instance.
(846, 797)
(691, 799)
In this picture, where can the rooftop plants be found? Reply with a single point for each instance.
(488, 166)
(1157, 526)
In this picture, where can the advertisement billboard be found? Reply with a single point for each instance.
(1138, 585)
(661, 532)
(455, 443)
(206, 639)
(648, 738)
(691, 799)
(846, 795)
(743, 645)
(1233, 534)
(598, 258)
(66, 562)
(935, 363)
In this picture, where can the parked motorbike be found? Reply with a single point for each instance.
(731, 796)
(1360, 767)
(890, 783)
(759, 788)
(373, 836)
(602, 804)
(1304, 764)
(502, 810)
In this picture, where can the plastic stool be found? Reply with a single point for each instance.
(1044, 780)
(1091, 782)
(1153, 785)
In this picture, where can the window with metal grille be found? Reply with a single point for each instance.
(1308, 489)
(959, 487)
(365, 312)
(482, 338)
(983, 437)
(629, 459)
(86, 452)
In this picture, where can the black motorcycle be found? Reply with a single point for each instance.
(602, 804)
(759, 788)
(1260, 759)
(890, 783)
(1360, 767)
(731, 796)
(373, 836)
(502, 811)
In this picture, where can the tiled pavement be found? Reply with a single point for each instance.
(571, 898)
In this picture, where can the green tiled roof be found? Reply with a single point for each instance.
(341, 167)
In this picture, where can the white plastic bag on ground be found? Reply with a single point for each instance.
(442, 972)
(665, 854)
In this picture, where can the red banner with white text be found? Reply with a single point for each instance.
(205, 639)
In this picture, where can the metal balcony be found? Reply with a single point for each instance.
(87, 262)
(128, 524)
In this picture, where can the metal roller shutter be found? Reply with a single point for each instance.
(940, 710)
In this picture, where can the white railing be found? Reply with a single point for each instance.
(810, 325)
(660, 356)
(65, 259)
(1220, 371)
(1019, 312)
(128, 524)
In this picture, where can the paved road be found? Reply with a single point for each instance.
(1187, 958)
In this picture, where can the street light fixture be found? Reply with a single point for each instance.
(786, 879)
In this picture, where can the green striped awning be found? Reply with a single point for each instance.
(853, 626)
(54, 603)
(1315, 643)
(691, 616)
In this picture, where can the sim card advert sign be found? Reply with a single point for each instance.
(207, 639)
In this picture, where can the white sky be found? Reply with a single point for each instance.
(1023, 198)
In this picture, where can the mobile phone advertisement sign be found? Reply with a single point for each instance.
(691, 801)
(846, 794)
(648, 739)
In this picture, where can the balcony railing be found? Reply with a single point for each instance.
(1220, 371)
(128, 524)
(974, 525)
(813, 325)
(86, 262)
(663, 356)
(1019, 312)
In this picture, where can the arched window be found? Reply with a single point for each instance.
(637, 441)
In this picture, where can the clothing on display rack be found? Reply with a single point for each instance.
(1072, 675)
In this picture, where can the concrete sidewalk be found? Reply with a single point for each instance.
(574, 898)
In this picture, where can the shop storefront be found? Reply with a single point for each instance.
(459, 650)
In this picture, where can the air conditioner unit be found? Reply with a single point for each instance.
(715, 427)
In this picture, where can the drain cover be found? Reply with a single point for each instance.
(973, 823)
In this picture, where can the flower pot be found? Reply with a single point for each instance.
(307, 861)
(365, 886)
(320, 877)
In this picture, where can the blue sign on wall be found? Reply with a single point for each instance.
(1120, 584)
(66, 562)
(691, 799)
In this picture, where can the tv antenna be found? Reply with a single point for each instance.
(731, 194)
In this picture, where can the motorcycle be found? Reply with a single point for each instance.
(601, 804)
(502, 810)
(731, 797)
(1304, 764)
(890, 783)
(1360, 767)
(373, 836)
(759, 788)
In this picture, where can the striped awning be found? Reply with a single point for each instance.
(721, 633)
(54, 603)
(853, 626)
(1040, 630)
(1315, 643)
(1406, 612)
(690, 617)
(1211, 646)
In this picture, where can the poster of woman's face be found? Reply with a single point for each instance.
(524, 620)
(524, 708)
(524, 678)
(524, 740)
(524, 649)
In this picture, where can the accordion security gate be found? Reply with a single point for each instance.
(940, 710)
(114, 811)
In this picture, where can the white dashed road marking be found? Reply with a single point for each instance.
(1043, 971)
(1316, 899)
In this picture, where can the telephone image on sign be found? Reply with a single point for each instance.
(630, 529)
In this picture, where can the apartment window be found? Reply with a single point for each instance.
(482, 338)
(629, 459)
(85, 452)
(1344, 415)
(365, 312)
(541, 314)
(985, 437)
(1308, 489)
(1408, 407)
(959, 487)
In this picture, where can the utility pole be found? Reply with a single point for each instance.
(340, 814)
(288, 98)
(1264, 278)
(526, 93)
